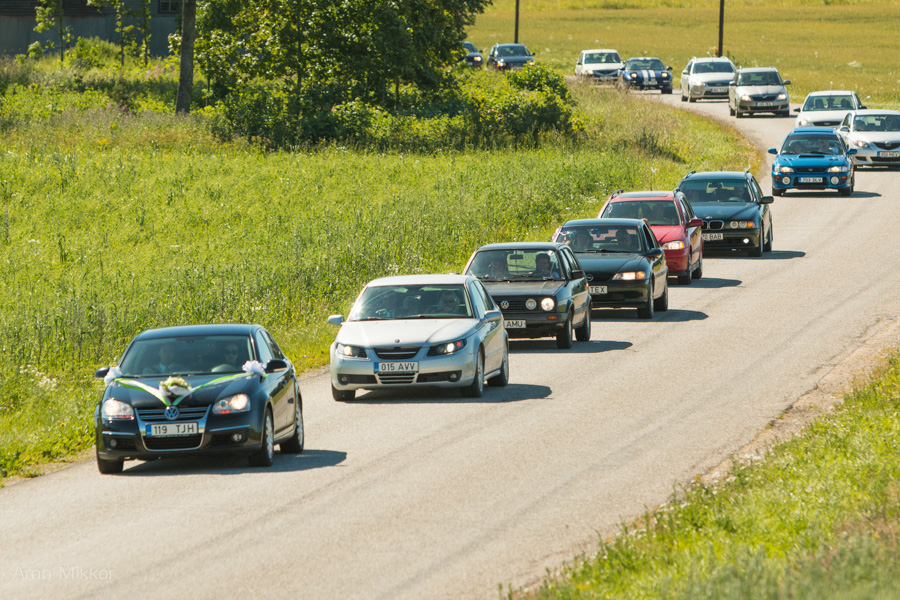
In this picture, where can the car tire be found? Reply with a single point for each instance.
(686, 278)
(501, 378)
(646, 311)
(476, 388)
(661, 304)
(666, 91)
(767, 247)
(683, 97)
(342, 395)
(566, 335)
(777, 192)
(265, 455)
(692, 99)
(294, 444)
(109, 467)
(730, 110)
(583, 333)
(738, 114)
(785, 113)
(698, 272)
(758, 251)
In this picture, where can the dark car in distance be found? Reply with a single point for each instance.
(623, 263)
(540, 288)
(646, 73)
(472, 55)
(509, 57)
(199, 389)
(736, 214)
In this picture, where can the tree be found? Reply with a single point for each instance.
(49, 16)
(186, 64)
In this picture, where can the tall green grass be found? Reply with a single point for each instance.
(818, 518)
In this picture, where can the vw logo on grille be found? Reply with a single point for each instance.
(172, 412)
(504, 305)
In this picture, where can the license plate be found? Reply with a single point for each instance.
(889, 154)
(597, 289)
(397, 367)
(810, 180)
(172, 429)
(766, 104)
(514, 323)
(712, 236)
(718, 90)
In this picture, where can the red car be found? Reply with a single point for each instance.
(673, 223)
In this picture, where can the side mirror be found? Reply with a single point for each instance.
(337, 320)
(788, 82)
(654, 253)
(852, 151)
(767, 200)
(773, 151)
(732, 83)
(695, 222)
(862, 108)
(796, 110)
(276, 364)
(844, 128)
(493, 315)
(577, 274)
(668, 68)
(101, 372)
(533, 53)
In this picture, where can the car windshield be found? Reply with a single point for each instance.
(712, 190)
(658, 212)
(187, 355)
(713, 67)
(812, 144)
(592, 58)
(515, 264)
(760, 78)
(518, 50)
(876, 123)
(645, 64)
(397, 302)
(837, 102)
(470, 47)
(584, 239)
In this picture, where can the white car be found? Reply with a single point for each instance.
(416, 331)
(706, 77)
(602, 64)
(826, 108)
(875, 134)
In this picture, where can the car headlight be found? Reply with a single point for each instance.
(500, 62)
(448, 348)
(633, 75)
(476, 59)
(742, 224)
(113, 410)
(745, 97)
(663, 75)
(860, 144)
(676, 245)
(530, 63)
(630, 276)
(548, 304)
(351, 351)
(804, 122)
(531, 304)
(782, 169)
(233, 404)
(782, 96)
(838, 169)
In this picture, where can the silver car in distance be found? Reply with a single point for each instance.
(420, 330)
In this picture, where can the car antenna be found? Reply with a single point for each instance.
(616, 193)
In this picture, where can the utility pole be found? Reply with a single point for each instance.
(721, 23)
(516, 37)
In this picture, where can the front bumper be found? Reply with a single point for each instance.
(706, 92)
(731, 239)
(450, 370)
(640, 85)
(538, 324)
(811, 181)
(763, 106)
(604, 76)
(876, 157)
(619, 294)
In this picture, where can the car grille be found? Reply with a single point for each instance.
(764, 97)
(605, 73)
(713, 225)
(825, 123)
(158, 415)
(809, 169)
(515, 304)
(887, 145)
(396, 377)
(887, 159)
(182, 442)
(597, 277)
(397, 352)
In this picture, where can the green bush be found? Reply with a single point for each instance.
(35, 50)
(541, 79)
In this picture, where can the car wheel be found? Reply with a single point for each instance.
(730, 110)
(758, 251)
(692, 99)
(661, 304)
(738, 114)
(501, 378)
(666, 91)
(583, 333)
(768, 245)
(265, 456)
(109, 467)
(777, 192)
(342, 395)
(476, 388)
(683, 97)
(686, 278)
(698, 272)
(646, 311)
(785, 113)
(294, 445)
(564, 337)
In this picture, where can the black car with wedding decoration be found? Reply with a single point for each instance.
(199, 389)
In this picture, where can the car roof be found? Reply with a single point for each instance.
(601, 50)
(659, 195)
(717, 175)
(427, 279)
(875, 111)
(712, 59)
(619, 222)
(204, 329)
(756, 69)
(516, 44)
(521, 246)
(829, 93)
(812, 129)
(643, 58)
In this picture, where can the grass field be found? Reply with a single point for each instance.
(817, 45)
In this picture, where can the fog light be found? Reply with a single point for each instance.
(835, 180)
(746, 240)
(785, 180)
(111, 443)
(237, 437)
(344, 379)
(454, 376)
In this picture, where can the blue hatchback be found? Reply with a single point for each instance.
(812, 158)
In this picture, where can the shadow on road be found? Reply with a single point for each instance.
(742, 255)
(511, 393)
(678, 315)
(820, 195)
(711, 283)
(233, 464)
(549, 346)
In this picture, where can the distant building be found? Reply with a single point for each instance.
(17, 21)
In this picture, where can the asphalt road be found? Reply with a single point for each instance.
(441, 497)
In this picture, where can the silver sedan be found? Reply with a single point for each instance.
(876, 136)
(420, 330)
